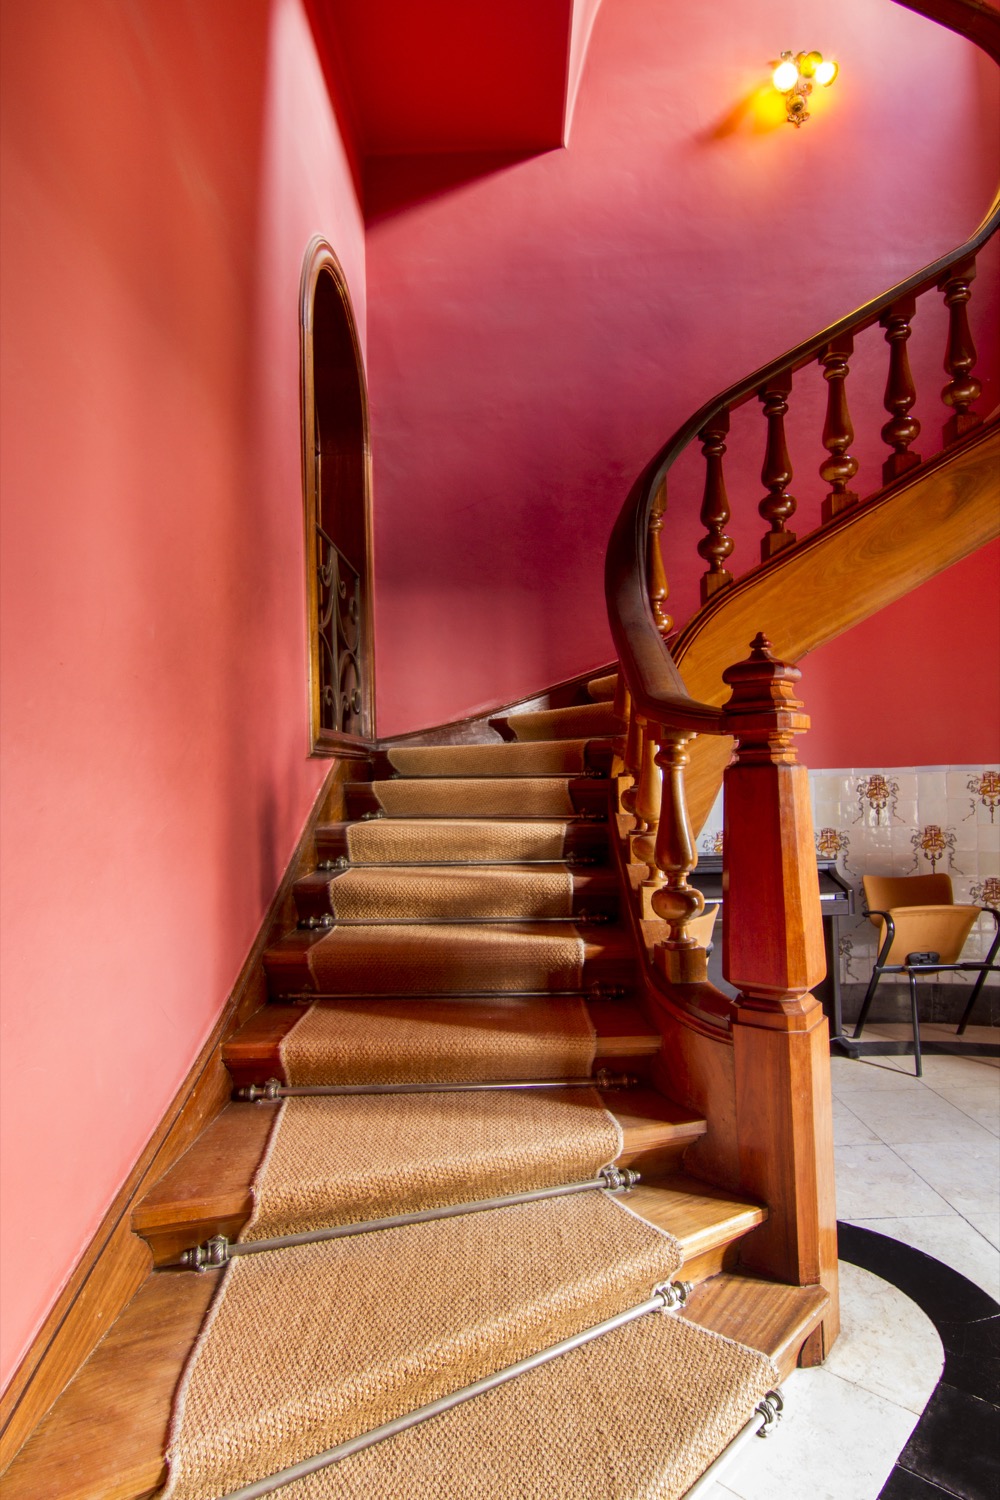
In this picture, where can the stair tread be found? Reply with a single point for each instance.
(105, 1437)
(611, 942)
(766, 1315)
(211, 1182)
(252, 1054)
(701, 1216)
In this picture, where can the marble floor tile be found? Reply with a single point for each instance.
(850, 1075)
(942, 1072)
(951, 1239)
(966, 1176)
(873, 1182)
(836, 1441)
(904, 1369)
(980, 1103)
(848, 1130)
(988, 1226)
(917, 1119)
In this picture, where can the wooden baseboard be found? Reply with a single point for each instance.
(116, 1262)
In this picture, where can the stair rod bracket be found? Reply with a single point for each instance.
(219, 1251)
(674, 1294)
(273, 1088)
(771, 1408)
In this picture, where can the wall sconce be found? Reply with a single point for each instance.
(794, 77)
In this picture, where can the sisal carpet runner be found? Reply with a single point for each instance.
(637, 1415)
(539, 758)
(476, 797)
(373, 895)
(306, 1347)
(588, 719)
(344, 1160)
(437, 1040)
(462, 841)
(447, 960)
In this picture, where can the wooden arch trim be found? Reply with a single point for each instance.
(321, 261)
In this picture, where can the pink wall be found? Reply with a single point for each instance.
(917, 684)
(164, 167)
(539, 327)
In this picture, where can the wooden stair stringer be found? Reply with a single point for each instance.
(832, 580)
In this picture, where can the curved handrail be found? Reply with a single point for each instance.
(656, 686)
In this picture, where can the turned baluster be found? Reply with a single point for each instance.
(838, 432)
(679, 957)
(900, 392)
(647, 810)
(777, 505)
(715, 546)
(632, 760)
(656, 575)
(963, 388)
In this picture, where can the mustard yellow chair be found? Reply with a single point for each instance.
(922, 930)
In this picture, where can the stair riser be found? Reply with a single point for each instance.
(584, 844)
(588, 798)
(288, 974)
(597, 758)
(593, 896)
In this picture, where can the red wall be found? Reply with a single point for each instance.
(539, 327)
(916, 685)
(164, 167)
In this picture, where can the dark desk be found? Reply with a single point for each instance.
(837, 900)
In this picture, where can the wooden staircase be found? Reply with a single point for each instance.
(105, 1437)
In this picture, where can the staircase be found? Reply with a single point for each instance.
(462, 925)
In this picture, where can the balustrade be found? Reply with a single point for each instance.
(832, 353)
(960, 356)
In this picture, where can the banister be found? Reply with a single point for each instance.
(656, 686)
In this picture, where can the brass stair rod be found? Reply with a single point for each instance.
(218, 1251)
(664, 1298)
(275, 1089)
(590, 992)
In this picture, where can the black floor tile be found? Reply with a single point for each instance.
(902, 1485)
(947, 1297)
(956, 1445)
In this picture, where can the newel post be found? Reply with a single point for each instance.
(773, 954)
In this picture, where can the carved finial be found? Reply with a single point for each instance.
(764, 710)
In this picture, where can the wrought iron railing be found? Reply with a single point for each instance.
(339, 637)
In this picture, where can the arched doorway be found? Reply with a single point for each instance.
(337, 475)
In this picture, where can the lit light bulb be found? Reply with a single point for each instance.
(825, 73)
(785, 76)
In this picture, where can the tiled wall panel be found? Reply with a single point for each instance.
(904, 820)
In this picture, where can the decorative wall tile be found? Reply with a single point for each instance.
(902, 820)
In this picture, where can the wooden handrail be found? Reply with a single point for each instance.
(656, 686)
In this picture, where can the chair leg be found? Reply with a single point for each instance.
(867, 1002)
(918, 1060)
(972, 1000)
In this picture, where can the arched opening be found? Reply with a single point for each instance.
(337, 475)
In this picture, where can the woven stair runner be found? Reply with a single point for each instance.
(439, 1040)
(498, 891)
(450, 959)
(306, 1347)
(344, 1160)
(603, 689)
(462, 840)
(537, 758)
(585, 719)
(638, 1414)
(478, 797)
